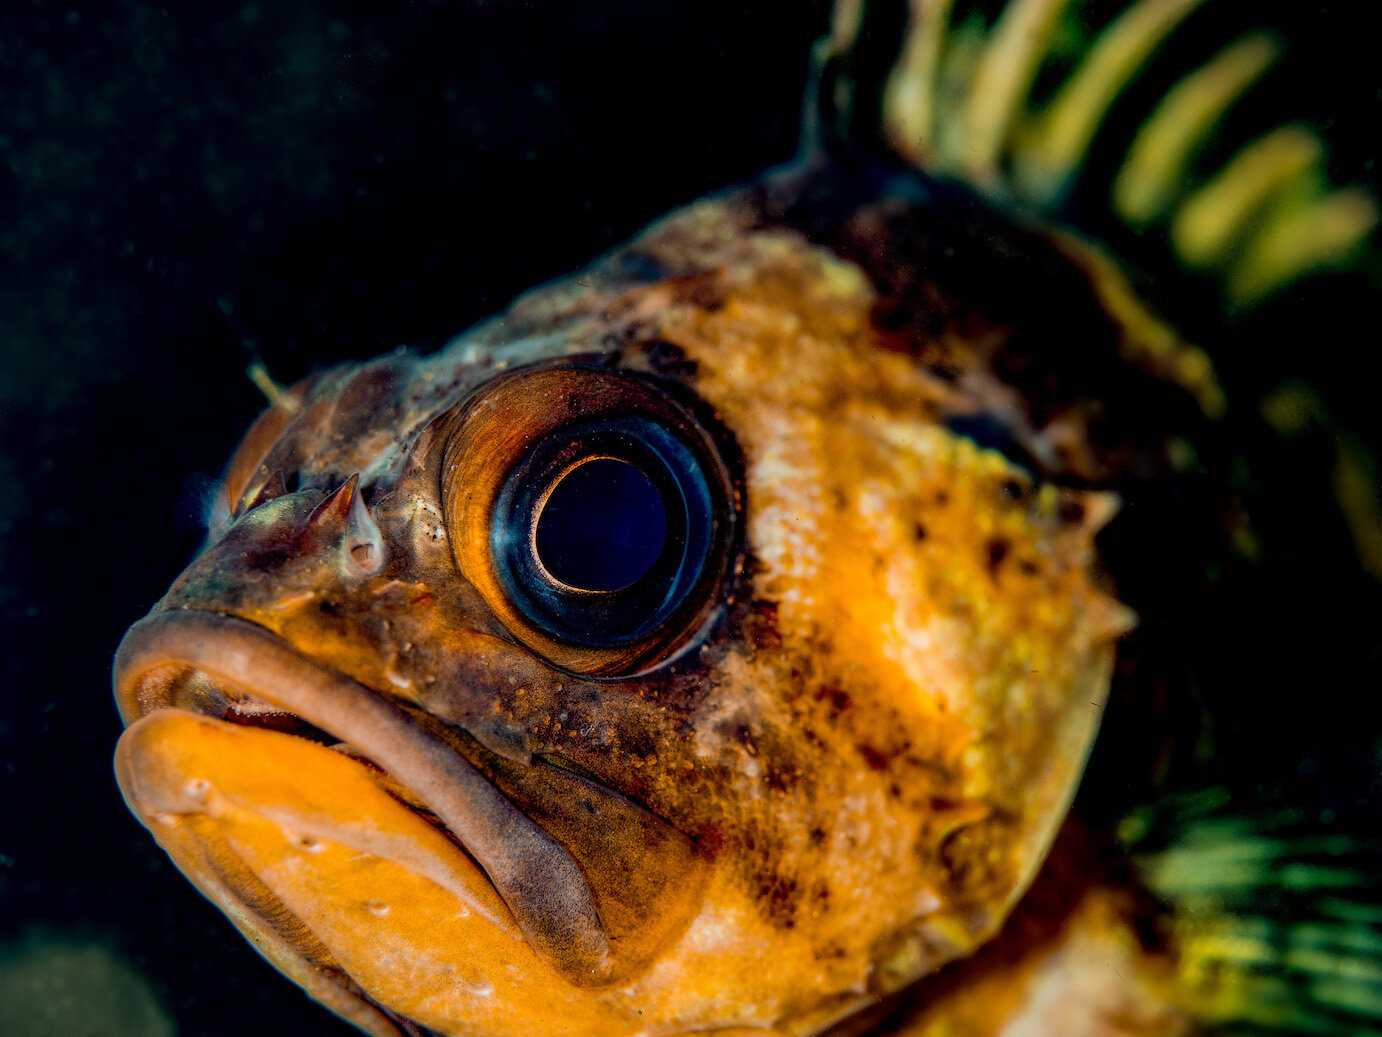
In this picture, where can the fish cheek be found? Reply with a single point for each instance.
(943, 639)
(343, 888)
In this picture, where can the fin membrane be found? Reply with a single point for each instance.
(1278, 918)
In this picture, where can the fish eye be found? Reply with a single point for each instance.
(603, 526)
(593, 512)
(600, 533)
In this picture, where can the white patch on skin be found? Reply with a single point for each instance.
(928, 652)
(785, 527)
(926, 902)
(722, 715)
(716, 928)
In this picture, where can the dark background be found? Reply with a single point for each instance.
(184, 187)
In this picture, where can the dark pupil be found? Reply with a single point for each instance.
(603, 526)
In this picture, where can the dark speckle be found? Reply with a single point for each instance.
(669, 360)
(778, 896)
(968, 855)
(997, 550)
(701, 291)
(875, 759)
(1071, 512)
(918, 531)
(710, 842)
(837, 698)
(762, 625)
(780, 777)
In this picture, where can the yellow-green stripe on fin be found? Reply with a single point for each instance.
(1155, 171)
(1002, 80)
(909, 103)
(1215, 219)
(1051, 150)
(1322, 232)
(1276, 916)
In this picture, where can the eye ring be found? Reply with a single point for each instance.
(548, 434)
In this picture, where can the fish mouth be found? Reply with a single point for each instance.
(262, 681)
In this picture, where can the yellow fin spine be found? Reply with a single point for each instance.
(1216, 217)
(1156, 168)
(276, 394)
(909, 104)
(1002, 80)
(1053, 147)
(1324, 232)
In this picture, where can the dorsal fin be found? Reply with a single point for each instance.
(958, 104)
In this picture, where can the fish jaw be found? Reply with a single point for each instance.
(368, 907)
(384, 894)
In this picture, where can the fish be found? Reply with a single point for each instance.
(714, 640)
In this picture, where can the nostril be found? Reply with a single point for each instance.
(363, 540)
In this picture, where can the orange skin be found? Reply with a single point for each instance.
(836, 769)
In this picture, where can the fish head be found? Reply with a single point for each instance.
(655, 658)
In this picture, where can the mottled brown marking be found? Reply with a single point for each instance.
(669, 360)
(838, 699)
(821, 895)
(762, 626)
(777, 895)
(780, 777)
(745, 738)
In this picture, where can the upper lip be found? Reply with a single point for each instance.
(536, 876)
